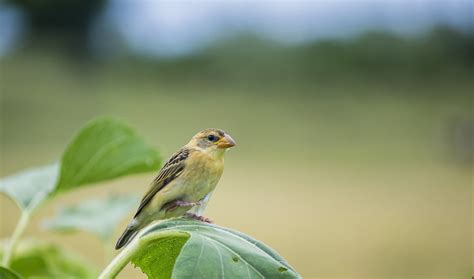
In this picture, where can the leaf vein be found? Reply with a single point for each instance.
(199, 258)
(233, 252)
(220, 256)
(224, 231)
(97, 156)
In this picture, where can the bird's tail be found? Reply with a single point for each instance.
(127, 236)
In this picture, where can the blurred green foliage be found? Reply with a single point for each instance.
(104, 149)
(97, 216)
(251, 63)
(248, 61)
(6, 273)
(68, 22)
(35, 259)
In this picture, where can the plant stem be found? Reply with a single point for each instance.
(20, 228)
(120, 261)
(124, 257)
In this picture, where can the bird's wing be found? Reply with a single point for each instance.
(170, 171)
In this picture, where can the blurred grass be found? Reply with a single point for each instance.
(346, 178)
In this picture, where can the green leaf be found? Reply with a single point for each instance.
(181, 248)
(29, 188)
(105, 149)
(98, 216)
(38, 259)
(6, 273)
(160, 263)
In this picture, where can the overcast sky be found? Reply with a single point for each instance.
(175, 27)
(180, 27)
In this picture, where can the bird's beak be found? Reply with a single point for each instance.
(226, 142)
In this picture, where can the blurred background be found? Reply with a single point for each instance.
(354, 119)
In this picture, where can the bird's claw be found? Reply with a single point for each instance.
(197, 217)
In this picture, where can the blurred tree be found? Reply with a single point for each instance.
(65, 23)
(451, 43)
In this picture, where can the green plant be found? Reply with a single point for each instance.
(106, 149)
(6, 273)
(180, 248)
(100, 217)
(34, 258)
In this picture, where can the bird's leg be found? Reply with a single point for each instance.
(197, 217)
(178, 203)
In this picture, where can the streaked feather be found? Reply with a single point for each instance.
(170, 171)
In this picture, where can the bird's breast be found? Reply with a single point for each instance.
(202, 175)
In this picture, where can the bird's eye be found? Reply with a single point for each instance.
(212, 138)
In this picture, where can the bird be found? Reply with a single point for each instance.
(184, 184)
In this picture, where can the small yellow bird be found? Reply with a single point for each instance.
(184, 184)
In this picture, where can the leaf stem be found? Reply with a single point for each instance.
(120, 261)
(124, 257)
(19, 229)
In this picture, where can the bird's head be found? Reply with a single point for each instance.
(213, 141)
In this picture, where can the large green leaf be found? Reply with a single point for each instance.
(105, 149)
(29, 188)
(44, 260)
(98, 216)
(6, 273)
(181, 248)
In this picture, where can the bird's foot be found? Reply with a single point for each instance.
(178, 203)
(197, 217)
